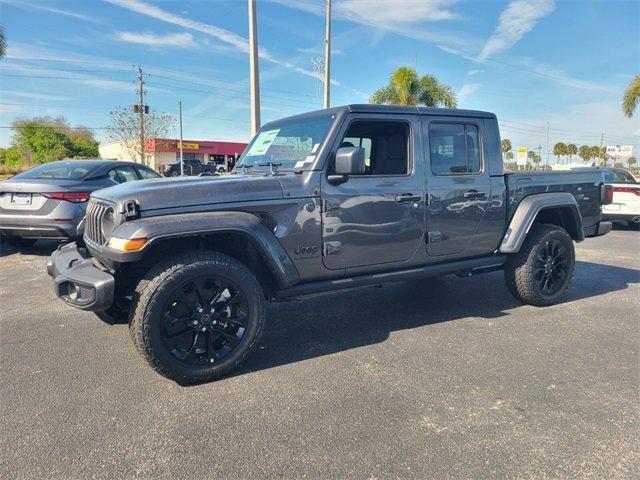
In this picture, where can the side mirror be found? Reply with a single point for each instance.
(348, 161)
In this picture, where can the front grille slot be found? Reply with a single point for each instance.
(93, 222)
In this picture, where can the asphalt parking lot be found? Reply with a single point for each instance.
(450, 378)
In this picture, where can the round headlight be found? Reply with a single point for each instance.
(108, 222)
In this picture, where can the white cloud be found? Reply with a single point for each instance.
(37, 96)
(182, 40)
(318, 51)
(59, 11)
(399, 16)
(221, 34)
(474, 72)
(467, 89)
(516, 20)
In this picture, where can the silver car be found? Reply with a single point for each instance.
(48, 201)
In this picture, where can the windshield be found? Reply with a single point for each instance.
(71, 170)
(618, 176)
(292, 144)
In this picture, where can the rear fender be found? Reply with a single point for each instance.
(204, 223)
(529, 209)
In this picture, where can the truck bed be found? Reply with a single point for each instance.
(584, 185)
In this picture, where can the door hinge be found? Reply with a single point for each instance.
(331, 248)
(329, 204)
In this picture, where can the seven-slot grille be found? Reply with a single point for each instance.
(93, 222)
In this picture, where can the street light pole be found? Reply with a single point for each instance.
(327, 55)
(141, 112)
(254, 76)
(181, 152)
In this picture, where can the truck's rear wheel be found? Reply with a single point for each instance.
(197, 316)
(540, 273)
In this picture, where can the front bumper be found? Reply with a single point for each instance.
(78, 281)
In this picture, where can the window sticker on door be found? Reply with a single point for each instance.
(263, 142)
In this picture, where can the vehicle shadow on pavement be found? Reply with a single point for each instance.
(43, 248)
(335, 322)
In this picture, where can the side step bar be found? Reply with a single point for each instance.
(467, 266)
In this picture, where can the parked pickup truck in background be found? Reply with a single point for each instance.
(345, 197)
(191, 167)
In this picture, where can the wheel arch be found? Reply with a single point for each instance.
(240, 235)
(558, 208)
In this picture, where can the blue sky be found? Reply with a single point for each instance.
(530, 62)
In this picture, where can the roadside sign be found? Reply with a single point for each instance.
(521, 156)
(619, 151)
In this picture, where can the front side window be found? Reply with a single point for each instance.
(293, 144)
(455, 148)
(386, 146)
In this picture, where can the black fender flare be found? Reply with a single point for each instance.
(528, 210)
(204, 223)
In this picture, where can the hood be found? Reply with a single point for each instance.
(164, 193)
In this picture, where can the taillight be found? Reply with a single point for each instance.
(75, 197)
(606, 194)
(635, 191)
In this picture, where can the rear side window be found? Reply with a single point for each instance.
(386, 146)
(455, 149)
(122, 174)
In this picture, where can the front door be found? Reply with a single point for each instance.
(377, 217)
(458, 184)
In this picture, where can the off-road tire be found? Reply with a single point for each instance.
(20, 242)
(520, 268)
(153, 292)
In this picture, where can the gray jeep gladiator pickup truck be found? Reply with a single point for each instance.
(346, 197)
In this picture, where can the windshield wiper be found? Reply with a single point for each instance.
(273, 166)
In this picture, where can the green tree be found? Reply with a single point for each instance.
(572, 149)
(506, 145)
(407, 88)
(509, 155)
(631, 161)
(43, 139)
(631, 97)
(585, 153)
(559, 149)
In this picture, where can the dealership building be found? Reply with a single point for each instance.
(164, 151)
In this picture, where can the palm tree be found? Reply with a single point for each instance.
(585, 153)
(572, 149)
(407, 88)
(559, 149)
(506, 145)
(631, 97)
(631, 161)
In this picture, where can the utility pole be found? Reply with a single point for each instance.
(547, 143)
(254, 75)
(141, 112)
(327, 55)
(181, 152)
(602, 158)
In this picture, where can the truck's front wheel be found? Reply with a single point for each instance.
(197, 316)
(540, 273)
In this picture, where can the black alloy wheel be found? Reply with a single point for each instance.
(551, 267)
(205, 320)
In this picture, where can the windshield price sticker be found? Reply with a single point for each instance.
(263, 142)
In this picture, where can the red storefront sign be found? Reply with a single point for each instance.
(194, 146)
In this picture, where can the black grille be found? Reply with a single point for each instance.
(93, 222)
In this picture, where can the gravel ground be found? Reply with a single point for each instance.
(450, 378)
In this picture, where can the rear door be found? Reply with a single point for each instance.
(458, 183)
(378, 217)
